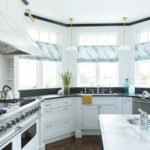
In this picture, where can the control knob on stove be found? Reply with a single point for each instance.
(22, 116)
(27, 114)
(8, 125)
(17, 119)
(3, 128)
(13, 122)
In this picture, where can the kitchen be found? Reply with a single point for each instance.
(74, 80)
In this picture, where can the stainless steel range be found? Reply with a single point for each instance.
(19, 124)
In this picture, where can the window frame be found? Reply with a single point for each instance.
(138, 40)
(98, 70)
(39, 68)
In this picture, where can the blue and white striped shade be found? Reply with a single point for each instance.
(142, 51)
(48, 51)
(97, 54)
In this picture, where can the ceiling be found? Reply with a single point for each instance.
(91, 11)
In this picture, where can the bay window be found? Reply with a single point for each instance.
(97, 59)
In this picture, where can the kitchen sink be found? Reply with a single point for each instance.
(136, 121)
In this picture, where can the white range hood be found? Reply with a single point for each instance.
(14, 39)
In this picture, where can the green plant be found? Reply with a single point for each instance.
(66, 78)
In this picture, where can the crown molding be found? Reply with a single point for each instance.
(88, 24)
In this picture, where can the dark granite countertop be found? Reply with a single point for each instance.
(56, 96)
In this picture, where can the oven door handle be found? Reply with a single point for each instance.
(137, 101)
(18, 130)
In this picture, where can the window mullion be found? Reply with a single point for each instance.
(97, 74)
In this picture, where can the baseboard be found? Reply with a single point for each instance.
(90, 132)
(59, 138)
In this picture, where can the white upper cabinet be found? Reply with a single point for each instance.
(14, 9)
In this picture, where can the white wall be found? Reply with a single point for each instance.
(2, 71)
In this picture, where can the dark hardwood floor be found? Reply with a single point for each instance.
(85, 143)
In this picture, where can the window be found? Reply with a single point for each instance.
(98, 73)
(97, 39)
(87, 74)
(27, 73)
(38, 73)
(142, 73)
(50, 73)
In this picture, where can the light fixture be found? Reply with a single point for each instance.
(71, 48)
(124, 47)
(29, 13)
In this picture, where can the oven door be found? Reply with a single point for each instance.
(143, 104)
(30, 138)
(12, 144)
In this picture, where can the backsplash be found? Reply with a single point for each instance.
(37, 92)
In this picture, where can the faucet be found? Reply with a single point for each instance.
(97, 89)
(92, 91)
(85, 90)
(103, 91)
(144, 119)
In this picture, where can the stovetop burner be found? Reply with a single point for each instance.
(13, 104)
(23, 101)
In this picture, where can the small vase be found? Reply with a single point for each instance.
(66, 90)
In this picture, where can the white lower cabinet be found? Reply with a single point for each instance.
(100, 105)
(57, 118)
(67, 115)
(90, 117)
(127, 105)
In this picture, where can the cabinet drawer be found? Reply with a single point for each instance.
(54, 129)
(57, 103)
(105, 100)
(56, 109)
(65, 113)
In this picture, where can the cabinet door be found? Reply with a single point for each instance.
(127, 105)
(107, 109)
(90, 117)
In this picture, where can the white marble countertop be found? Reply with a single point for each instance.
(119, 134)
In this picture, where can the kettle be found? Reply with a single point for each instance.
(6, 94)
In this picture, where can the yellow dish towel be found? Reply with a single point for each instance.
(87, 99)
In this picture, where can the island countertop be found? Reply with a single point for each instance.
(118, 134)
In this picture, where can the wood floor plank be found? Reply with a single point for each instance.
(85, 143)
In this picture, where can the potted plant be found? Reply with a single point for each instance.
(66, 79)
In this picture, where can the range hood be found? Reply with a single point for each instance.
(14, 39)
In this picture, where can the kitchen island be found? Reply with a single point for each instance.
(118, 133)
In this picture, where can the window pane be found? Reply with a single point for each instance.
(33, 33)
(50, 73)
(27, 73)
(98, 39)
(108, 74)
(87, 74)
(144, 37)
(53, 38)
(44, 36)
(143, 73)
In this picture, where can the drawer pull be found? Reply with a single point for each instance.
(48, 111)
(48, 104)
(49, 125)
(65, 108)
(66, 122)
(66, 102)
